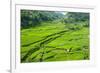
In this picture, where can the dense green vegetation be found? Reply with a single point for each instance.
(30, 18)
(54, 36)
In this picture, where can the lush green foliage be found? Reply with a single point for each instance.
(51, 39)
(31, 18)
(78, 16)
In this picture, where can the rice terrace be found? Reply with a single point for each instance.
(48, 36)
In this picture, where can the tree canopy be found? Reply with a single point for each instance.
(31, 18)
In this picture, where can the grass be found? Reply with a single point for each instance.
(53, 41)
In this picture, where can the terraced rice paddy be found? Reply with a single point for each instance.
(53, 41)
